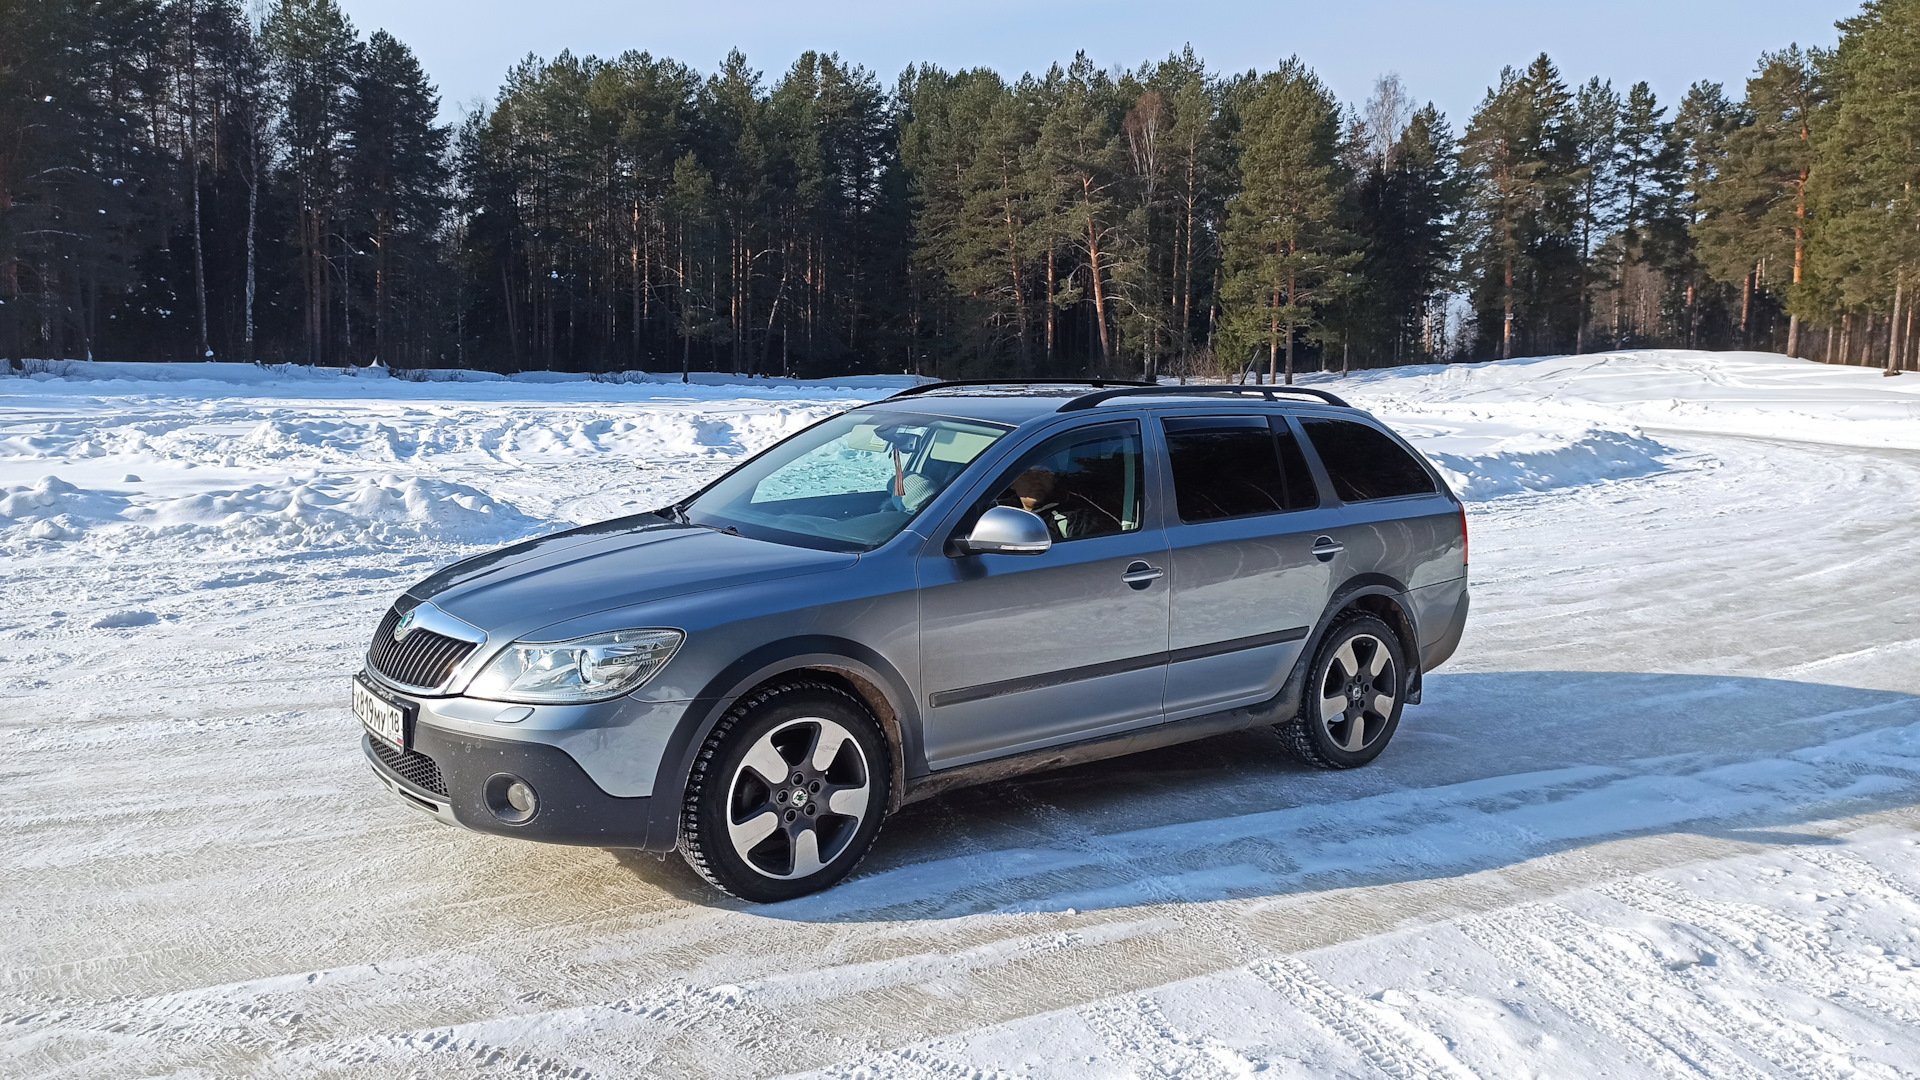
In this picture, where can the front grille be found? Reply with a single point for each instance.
(423, 659)
(410, 765)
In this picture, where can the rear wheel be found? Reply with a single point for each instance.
(1354, 693)
(787, 793)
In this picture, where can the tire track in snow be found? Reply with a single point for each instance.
(669, 1011)
(1802, 1050)
(1787, 950)
(738, 1014)
(467, 1055)
(1863, 873)
(911, 1062)
(1573, 965)
(1137, 1030)
(1388, 1041)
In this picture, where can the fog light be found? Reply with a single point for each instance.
(511, 799)
(520, 797)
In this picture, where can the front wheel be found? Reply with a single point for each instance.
(1354, 693)
(786, 794)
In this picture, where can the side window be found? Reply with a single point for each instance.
(1083, 483)
(1363, 462)
(1224, 467)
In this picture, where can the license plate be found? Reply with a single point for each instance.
(383, 718)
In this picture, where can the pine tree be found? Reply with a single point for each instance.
(1700, 130)
(982, 208)
(1285, 253)
(1198, 163)
(1866, 166)
(838, 144)
(78, 167)
(650, 104)
(1596, 134)
(1080, 162)
(1521, 164)
(313, 46)
(1755, 212)
(394, 176)
(1401, 202)
(1650, 182)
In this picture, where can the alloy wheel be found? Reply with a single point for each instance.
(1357, 692)
(798, 797)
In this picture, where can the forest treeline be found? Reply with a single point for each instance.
(181, 181)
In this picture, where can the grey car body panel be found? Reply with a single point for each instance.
(1023, 651)
(980, 665)
(650, 559)
(1235, 580)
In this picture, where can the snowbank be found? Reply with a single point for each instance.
(312, 514)
(287, 457)
(288, 376)
(1488, 460)
(1759, 395)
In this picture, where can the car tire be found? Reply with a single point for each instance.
(1354, 693)
(767, 838)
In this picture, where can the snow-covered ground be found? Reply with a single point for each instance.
(1659, 817)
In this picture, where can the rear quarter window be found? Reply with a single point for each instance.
(1364, 462)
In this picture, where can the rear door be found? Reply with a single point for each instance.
(1025, 651)
(1396, 519)
(1247, 586)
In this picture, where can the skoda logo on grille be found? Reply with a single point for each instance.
(404, 627)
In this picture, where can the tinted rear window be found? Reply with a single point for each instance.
(1227, 467)
(1364, 462)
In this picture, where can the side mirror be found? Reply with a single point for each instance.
(1007, 530)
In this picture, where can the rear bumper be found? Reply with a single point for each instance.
(449, 775)
(1435, 652)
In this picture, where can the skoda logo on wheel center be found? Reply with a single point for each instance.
(959, 583)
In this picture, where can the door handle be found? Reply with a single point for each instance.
(1140, 574)
(1326, 547)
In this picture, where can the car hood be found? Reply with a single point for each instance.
(619, 563)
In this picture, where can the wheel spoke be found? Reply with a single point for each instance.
(827, 744)
(767, 763)
(1333, 709)
(806, 853)
(746, 835)
(1381, 703)
(1356, 734)
(849, 801)
(1346, 662)
(1379, 661)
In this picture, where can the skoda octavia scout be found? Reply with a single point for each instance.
(956, 584)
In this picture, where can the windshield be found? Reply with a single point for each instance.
(850, 484)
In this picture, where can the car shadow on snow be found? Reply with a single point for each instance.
(1495, 769)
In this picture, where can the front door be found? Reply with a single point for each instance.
(1020, 652)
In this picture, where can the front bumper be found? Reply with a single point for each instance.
(447, 774)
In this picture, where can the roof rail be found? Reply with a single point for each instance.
(952, 383)
(1088, 401)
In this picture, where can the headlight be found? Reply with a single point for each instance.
(584, 669)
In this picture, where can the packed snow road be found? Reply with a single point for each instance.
(1659, 817)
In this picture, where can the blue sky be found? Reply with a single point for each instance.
(1446, 53)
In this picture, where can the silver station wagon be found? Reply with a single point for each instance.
(957, 584)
